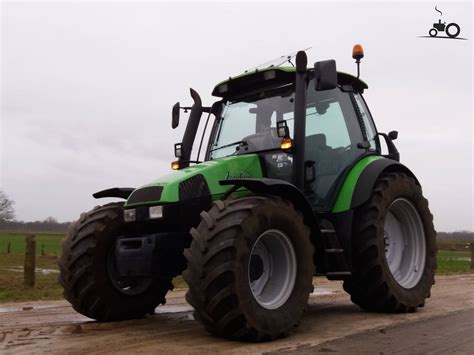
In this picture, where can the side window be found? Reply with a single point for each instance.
(330, 123)
(368, 122)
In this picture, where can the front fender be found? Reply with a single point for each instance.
(118, 192)
(281, 189)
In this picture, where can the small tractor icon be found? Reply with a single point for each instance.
(452, 29)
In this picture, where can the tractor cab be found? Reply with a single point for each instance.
(256, 115)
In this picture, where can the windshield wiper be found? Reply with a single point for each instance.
(243, 143)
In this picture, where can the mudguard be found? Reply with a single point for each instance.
(281, 189)
(370, 175)
(119, 192)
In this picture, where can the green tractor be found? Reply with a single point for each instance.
(292, 183)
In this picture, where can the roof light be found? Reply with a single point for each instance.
(286, 144)
(357, 52)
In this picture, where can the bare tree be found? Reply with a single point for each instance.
(7, 212)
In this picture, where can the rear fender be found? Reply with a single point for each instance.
(370, 175)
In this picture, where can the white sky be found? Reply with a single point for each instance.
(87, 88)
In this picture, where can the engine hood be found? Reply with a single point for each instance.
(196, 181)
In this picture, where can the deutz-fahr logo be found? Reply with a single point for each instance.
(240, 176)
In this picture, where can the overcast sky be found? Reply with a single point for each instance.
(87, 88)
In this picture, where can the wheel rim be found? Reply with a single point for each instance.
(405, 245)
(272, 269)
(126, 285)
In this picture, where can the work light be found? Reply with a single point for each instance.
(129, 215)
(156, 212)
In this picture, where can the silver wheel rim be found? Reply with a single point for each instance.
(405, 246)
(272, 269)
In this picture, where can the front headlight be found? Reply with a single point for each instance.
(156, 212)
(130, 215)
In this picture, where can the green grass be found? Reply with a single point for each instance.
(48, 288)
(452, 262)
(50, 241)
(11, 279)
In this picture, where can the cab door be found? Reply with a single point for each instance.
(333, 137)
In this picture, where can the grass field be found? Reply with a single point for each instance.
(50, 241)
(453, 259)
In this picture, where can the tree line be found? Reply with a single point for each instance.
(50, 224)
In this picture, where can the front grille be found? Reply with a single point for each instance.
(146, 194)
(194, 187)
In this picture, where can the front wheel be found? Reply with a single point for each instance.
(433, 32)
(394, 248)
(250, 268)
(88, 274)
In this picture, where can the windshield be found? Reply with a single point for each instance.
(249, 125)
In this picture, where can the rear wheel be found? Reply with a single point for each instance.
(394, 248)
(88, 275)
(453, 30)
(250, 268)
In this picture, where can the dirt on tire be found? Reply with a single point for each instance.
(85, 275)
(218, 276)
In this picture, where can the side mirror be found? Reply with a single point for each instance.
(325, 75)
(175, 116)
(282, 129)
(393, 135)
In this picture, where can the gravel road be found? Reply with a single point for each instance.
(331, 323)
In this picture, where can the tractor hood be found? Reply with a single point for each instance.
(196, 181)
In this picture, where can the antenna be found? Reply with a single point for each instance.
(277, 61)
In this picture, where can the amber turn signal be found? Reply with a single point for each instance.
(175, 165)
(286, 144)
(357, 52)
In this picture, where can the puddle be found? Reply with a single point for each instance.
(26, 308)
(38, 269)
(319, 291)
(173, 309)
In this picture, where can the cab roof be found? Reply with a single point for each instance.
(274, 76)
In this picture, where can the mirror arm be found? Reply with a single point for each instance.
(393, 152)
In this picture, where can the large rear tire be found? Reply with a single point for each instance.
(250, 268)
(394, 248)
(87, 273)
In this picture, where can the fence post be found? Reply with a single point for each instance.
(9, 248)
(30, 261)
(472, 255)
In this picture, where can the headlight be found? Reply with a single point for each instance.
(156, 212)
(129, 215)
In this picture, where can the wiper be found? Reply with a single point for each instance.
(243, 143)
